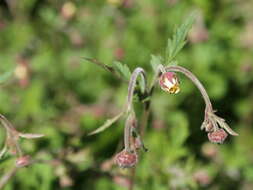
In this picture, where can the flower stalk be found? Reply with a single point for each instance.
(195, 80)
(127, 131)
(132, 85)
(211, 122)
(131, 119)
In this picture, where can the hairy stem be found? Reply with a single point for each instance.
(194, 79)
(127, 131)
(143, 125)
(132, 84)
(130, 119)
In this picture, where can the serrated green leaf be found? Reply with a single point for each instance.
(5, 76)
(107, 124)
(177, 42)
(122, 69)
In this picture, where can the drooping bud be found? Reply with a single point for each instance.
(169, 82)
(23, 161)
(126, 159)
(217, 136)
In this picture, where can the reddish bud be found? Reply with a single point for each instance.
(23, 161)
(126, 159)
(217, 136)
(169, 82)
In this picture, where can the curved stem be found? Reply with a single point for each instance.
(127, 131)
(131, 116)
(194, 79)
(132, 84)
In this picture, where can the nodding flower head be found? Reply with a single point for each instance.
(169, 82)
(217, 136)
(126, 159)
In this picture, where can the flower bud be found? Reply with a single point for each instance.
(126, 159)
(23, 161)
(217, 136)
(169, 82)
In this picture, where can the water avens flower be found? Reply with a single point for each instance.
(169, 82)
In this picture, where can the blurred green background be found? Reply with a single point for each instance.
(55, 92)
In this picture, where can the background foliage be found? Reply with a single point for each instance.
(53, 91)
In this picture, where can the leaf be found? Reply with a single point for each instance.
(177, 42)
(155, 62)
(30, 135)
(104, 66)
(107, 124)
(5, 76)
(122, 69)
